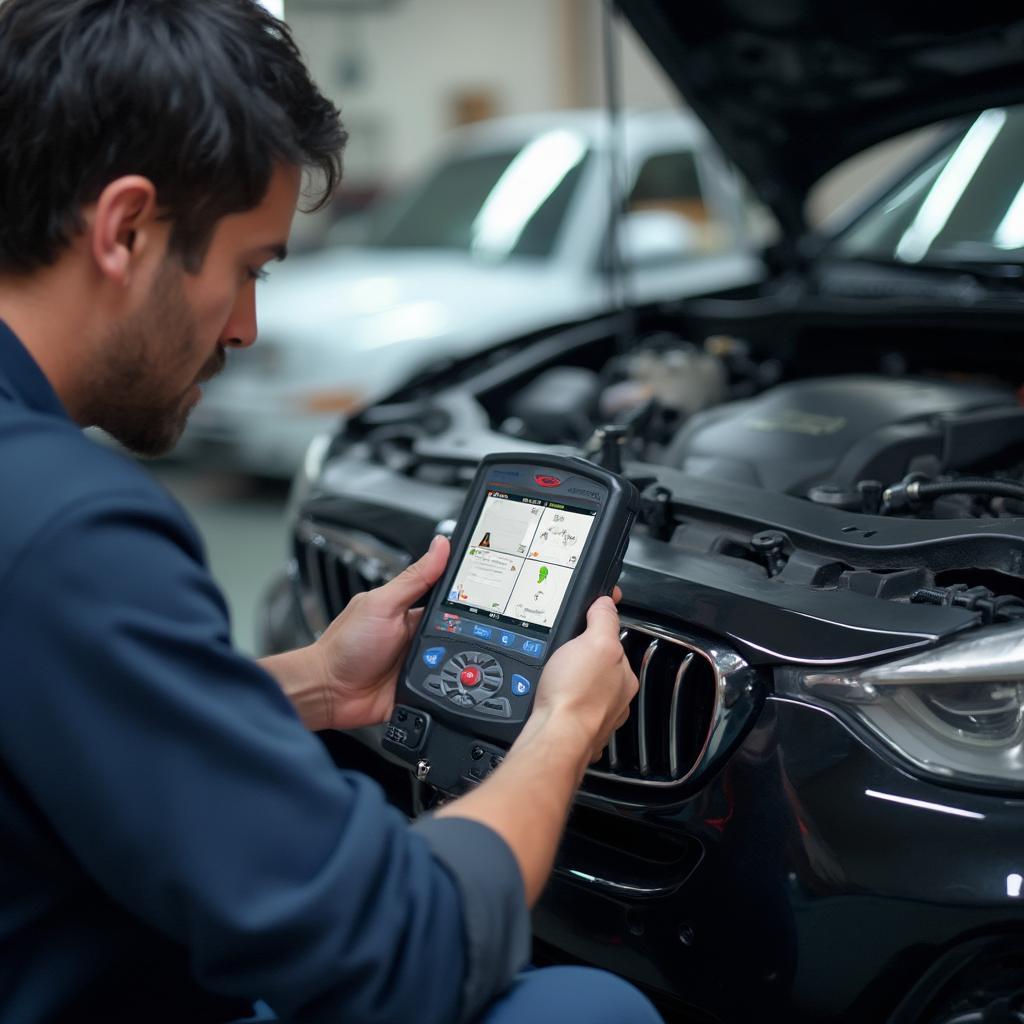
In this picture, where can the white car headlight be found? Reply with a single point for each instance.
(955, 711)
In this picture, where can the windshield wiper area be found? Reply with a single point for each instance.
(978, 261)
(962, 282)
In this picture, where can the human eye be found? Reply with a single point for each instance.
(258, 274)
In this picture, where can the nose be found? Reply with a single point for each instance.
(240, 329)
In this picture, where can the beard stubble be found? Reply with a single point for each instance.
(137, 400)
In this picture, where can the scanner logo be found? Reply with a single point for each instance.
(583, 492)
(544, 480)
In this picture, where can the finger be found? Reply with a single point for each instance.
(617, 594)
(415, 580)
(603, 617)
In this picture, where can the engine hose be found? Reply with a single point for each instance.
(917, 492)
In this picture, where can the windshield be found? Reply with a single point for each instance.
(966, 203)
(495, 205)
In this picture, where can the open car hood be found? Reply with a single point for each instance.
(791, 88)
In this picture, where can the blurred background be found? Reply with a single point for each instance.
(473, 179)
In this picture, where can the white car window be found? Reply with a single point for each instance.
(668, 215)
(496, 205)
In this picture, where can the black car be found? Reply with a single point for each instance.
(816, 809)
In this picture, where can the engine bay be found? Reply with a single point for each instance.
(886, 483)
(714, 409)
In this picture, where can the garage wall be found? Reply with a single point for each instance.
(398, 74)
(641, 80)
(399, 70)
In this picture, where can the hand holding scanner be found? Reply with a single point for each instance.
(537, 542)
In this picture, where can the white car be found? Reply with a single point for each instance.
(508, 233)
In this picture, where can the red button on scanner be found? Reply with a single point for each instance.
(470, 676)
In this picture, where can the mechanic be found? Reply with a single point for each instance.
(177, 844)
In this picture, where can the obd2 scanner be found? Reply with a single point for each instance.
(537, 542)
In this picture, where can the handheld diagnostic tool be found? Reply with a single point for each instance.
(537, 542)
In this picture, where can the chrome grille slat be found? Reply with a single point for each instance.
(642, 727)
(673, 715)
(613, 743)
(613, 752)
(669, 734)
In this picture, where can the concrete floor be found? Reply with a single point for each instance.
(242, 523)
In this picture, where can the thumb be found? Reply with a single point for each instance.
(603, 617)
(415, 580)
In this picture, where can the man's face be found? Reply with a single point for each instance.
(158, 356)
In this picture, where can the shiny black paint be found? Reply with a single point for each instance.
(881, 541)
(843, 429)
(811, 900)
(807, 628)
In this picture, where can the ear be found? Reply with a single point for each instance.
(124, 227)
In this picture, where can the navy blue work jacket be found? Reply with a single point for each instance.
(173, 843)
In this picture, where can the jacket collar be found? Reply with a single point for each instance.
(22, 381)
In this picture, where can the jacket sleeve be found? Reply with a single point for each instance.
(181, 779)
(496, 920)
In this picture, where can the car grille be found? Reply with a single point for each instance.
(672, 716)
(672, 719)
(334, 563)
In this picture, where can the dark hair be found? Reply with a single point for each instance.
(203, 97)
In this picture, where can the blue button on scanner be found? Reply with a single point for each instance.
(483, 632)
(433, 657)
(520, 686)
(507, 639)
(532, 647)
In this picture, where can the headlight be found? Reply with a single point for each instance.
(955, 711)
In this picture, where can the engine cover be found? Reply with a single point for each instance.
(835, 430)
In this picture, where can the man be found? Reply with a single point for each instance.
(176, 844)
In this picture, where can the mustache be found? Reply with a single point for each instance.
(213, 365)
